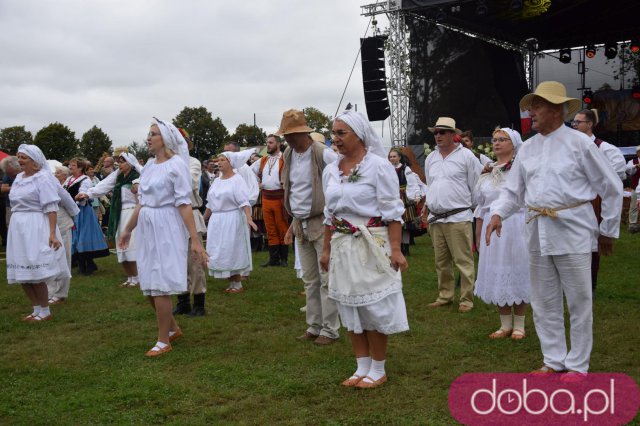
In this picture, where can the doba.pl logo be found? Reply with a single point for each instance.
(523, 399)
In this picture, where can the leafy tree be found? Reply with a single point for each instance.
(318, 121)
(207, 134)
(249, 135)
(12, 137)
(140, 150)
(93, 143)
(57, 142)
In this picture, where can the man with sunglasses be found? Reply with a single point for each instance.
(452, 172)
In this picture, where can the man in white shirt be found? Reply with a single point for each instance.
(584, 122)
(556, 174)
(452, 172)
(269, 172)
(633, 170)
(304, 161)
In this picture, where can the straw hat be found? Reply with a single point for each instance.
(293, 121)
(445, 123)
(553, 92)
(638, 148)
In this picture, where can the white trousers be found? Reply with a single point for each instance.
(322, 312)
(551, 276)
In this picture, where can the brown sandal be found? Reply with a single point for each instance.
(518, 334)
(500, 334)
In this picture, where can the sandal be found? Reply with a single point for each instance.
(544, 370)
(352, 381)
(362, 384)
(500, 334)
(126, 284)
(572, 376)
(157, 351)
(234, 290)
(56, 300)
(38, 318)
(518, 334)
(28, 318)
(176, 334)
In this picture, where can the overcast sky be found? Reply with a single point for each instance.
(117, 63)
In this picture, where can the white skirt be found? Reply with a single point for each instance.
(128, 254)
(29, 257)
(228, 244)
(387, 316)
(162, 251)
(503, 268)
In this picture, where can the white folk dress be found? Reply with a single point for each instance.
(128, 203)
(228, 242)
(29, 257)
(162, 236)
(503, 268)
(368, 291)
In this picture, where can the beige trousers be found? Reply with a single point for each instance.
(452, 245)
(322, 312)
(196, 278)
(60, 287)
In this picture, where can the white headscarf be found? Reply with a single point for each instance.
(35, 154)
(132, 160)
(362, 127)
(238, 159)
(516, 139)
(173, 139)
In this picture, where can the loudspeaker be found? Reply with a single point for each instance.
(373, 78)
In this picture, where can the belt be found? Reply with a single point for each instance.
(438, 216)
(551, 212)
(343, 226)
(273, 194)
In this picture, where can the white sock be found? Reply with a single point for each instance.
(36, 310)
(506, 322)
(171, 333)
(237, 285)
(377, 369)
(161, 345)
(134, 280)
(364, 365)
(518, 322)
(44, 312)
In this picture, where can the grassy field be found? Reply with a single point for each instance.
(241, 363)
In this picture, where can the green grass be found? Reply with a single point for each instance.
(242, 365)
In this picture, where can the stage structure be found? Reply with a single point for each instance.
(472, 59)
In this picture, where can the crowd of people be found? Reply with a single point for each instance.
(351, 212)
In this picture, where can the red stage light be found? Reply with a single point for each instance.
(634, 46)
(587, 97)
(591, 51)
(635, 92)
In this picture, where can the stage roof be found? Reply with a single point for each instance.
(555, 24)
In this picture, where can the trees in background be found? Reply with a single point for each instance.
(207, 133)
(57, 142)
(12, 137)
(93, 143)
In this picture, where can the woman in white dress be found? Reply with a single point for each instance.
(67, 210)
(34, 252)
(123, 202)
(503, 268)
(229, 215)
(363, 218)
(164, 223)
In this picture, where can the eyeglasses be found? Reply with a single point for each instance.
(577, 122)
(339, 133)
(441, 132)
(152, 134)
(501, 140)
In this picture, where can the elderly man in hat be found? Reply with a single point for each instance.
(633, 170)
(556, 175)
(304, 161)
(452, 172)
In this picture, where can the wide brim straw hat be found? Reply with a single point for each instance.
(553, 92)
(318, 137)
(445, 123)
(293, 121)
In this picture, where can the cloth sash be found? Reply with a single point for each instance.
(116, 201)
(550, 212)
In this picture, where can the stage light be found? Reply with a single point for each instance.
(634, 46)
(587, 97)
(482, 8)
(591, 51)
(610, 50)
(635, 92)
(516, 5)
(565, 56)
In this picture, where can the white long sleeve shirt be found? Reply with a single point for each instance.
(450, 183)
(106, 185)
(270, 172)
(300, 176)
(562, 169)
(614, 156)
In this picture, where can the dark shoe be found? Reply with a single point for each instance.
(307, 336)
(324, 341)
(284, 255)
(198, 306)
(91, 266)
(274, 257)
(183, 306)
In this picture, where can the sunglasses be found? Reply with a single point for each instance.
(441, 132)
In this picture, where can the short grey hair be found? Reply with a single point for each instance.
(63, 169)
(11, 161)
